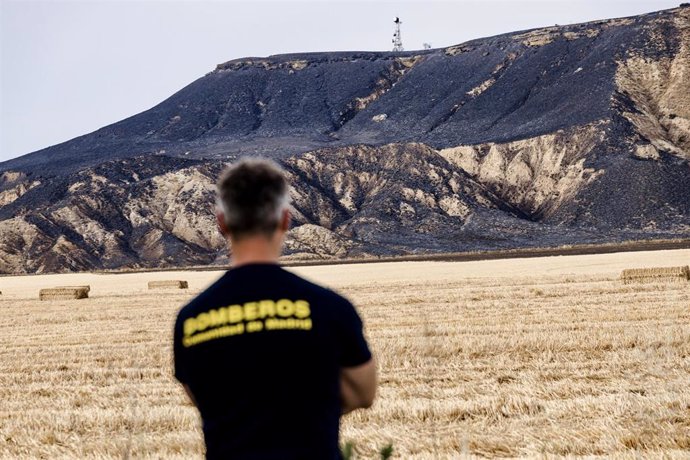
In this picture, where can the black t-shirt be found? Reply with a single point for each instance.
(261, 350)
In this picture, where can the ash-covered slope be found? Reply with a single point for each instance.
(552, 136)
(496, 89)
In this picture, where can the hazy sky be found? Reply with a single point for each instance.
(70, 67)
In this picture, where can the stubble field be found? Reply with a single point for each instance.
(523, 357)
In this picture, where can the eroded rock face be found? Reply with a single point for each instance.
(398, 198)
(309, 241)
(535, 175)
(658, 90)
(349, 202)
(14, 184)
(560, 135)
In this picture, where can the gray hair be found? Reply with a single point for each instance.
(252, 195)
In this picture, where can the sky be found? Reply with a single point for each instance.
(68, 68)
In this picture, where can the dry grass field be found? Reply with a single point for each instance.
(525, 357)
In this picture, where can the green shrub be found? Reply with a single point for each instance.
(386, 451)
(348, 451)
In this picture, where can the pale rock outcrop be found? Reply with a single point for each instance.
(535, 175)
(659, 88)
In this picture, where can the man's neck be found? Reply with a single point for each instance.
(254, 250)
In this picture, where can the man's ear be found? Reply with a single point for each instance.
(285, 220)
(222, 226)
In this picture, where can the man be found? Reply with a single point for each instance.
(270, 360)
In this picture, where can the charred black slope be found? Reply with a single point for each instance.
(557, 135)
(496, 89)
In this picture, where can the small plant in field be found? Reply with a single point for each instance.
(348, 450)
(386, 451)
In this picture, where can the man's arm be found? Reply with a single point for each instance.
(358, 386)
(179, 360)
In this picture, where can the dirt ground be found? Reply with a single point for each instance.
(502, 358)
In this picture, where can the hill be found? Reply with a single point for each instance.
(560, 135)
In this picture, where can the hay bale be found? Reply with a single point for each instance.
(63, 293)
(86, 287)
(656, 275)
(168, 284)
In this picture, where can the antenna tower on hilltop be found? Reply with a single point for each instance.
(397, 40)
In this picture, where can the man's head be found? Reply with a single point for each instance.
(253, 200)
